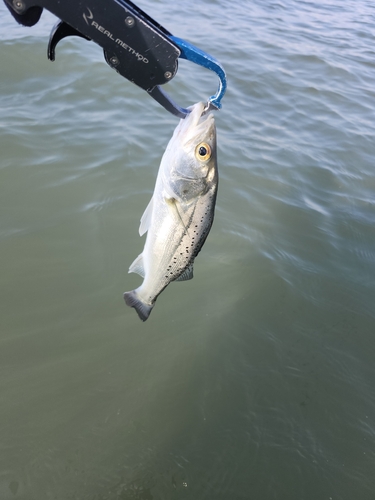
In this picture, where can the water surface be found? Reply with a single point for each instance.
(255, 380)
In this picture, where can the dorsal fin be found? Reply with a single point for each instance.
(187, 274)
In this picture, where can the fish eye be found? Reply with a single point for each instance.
(203, 151)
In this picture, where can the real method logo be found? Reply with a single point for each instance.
(89, 19)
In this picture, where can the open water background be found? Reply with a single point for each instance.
(256, 379)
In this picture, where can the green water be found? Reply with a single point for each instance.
(255, 380)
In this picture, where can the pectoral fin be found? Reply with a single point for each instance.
(172, 204)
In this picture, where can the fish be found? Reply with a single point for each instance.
(181, 211)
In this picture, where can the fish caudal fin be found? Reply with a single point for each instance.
(132, 300)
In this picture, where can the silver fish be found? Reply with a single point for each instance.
(181, 211)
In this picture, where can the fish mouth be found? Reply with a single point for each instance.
(198, 125)
(198, 115)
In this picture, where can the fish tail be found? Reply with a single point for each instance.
(143, 309)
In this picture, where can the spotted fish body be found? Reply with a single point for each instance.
(181, 211)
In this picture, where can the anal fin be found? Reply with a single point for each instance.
(137, 266)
